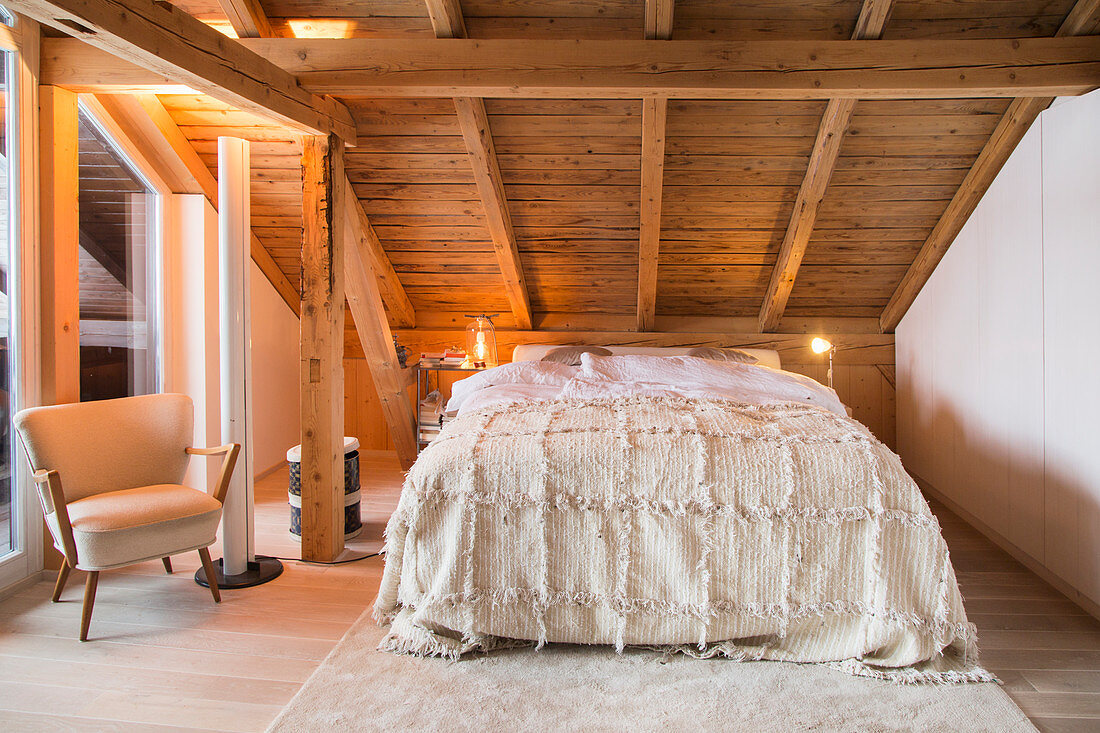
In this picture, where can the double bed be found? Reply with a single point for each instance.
(650, 498)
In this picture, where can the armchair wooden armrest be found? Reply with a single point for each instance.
(52, 498)
(231, 450)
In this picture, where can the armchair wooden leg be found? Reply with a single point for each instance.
(89, 601)
(211, 578)
(62, 577)
(167, 564)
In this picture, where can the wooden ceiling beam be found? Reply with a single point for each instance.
(890, 69)
(247, 18)
(447, 21)
(1014, 124)
(144, 120)
(628, 69)
(658, 26)
(830, 135)
(166, 40)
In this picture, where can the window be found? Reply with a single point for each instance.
(7, 456)
(20, 543)
(118, 273)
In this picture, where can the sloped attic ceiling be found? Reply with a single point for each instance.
(572, 170)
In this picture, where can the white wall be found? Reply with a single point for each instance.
(191, 341)
(997, 397)
(276, 423)
(190, 323)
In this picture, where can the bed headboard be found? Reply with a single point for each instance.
(534, 352)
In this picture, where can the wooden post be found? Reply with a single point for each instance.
(60, 246)
(322, 348)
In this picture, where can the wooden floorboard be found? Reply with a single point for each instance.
(165, 658)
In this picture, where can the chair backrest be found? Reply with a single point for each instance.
(108, 445)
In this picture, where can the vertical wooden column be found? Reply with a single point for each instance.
(322, 348)
(59, 246)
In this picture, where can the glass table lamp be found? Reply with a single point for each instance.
(481, 342)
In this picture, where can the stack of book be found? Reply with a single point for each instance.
(430, 417)
(450, 357)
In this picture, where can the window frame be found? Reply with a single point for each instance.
(89, 106)
(25, 560)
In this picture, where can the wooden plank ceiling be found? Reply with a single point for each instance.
(571, 169)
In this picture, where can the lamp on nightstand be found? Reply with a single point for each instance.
(821, 346)
(481, 342)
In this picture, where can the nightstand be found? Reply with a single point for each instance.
(423, 389)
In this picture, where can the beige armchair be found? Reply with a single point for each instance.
(108, 476)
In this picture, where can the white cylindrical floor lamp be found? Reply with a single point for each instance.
(239, 566)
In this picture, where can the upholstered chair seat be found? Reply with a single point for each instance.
(109, 476)
(119, 528)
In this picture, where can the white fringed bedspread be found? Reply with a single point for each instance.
(782, 532)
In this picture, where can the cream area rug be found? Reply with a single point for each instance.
(358, 688)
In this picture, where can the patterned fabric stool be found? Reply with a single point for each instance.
(353, 525)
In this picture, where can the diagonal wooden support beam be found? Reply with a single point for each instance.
(365, 302)
(658, 25)
(447, 21)
(826, 150)
(164, 39)
(1017, 119)
(146, 121)
(374, 256)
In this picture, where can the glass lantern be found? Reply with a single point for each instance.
(481, 342)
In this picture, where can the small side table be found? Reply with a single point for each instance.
(423, 387)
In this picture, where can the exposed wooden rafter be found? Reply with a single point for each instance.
(144, 120)
(1015, 123)
(627, 69)
(447, 22)
(168, 41)
(247, 18)
(830, 134)
(658, 26)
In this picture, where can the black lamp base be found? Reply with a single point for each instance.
(259, 572)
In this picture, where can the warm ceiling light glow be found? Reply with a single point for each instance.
(222, 26)
(313, 28)
(820, 345)
(172, 89)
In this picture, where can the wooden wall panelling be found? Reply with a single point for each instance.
(322, 343)
(59, 246)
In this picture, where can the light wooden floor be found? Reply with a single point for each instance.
(164, 657)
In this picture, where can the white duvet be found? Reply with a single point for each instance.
(614, 376)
